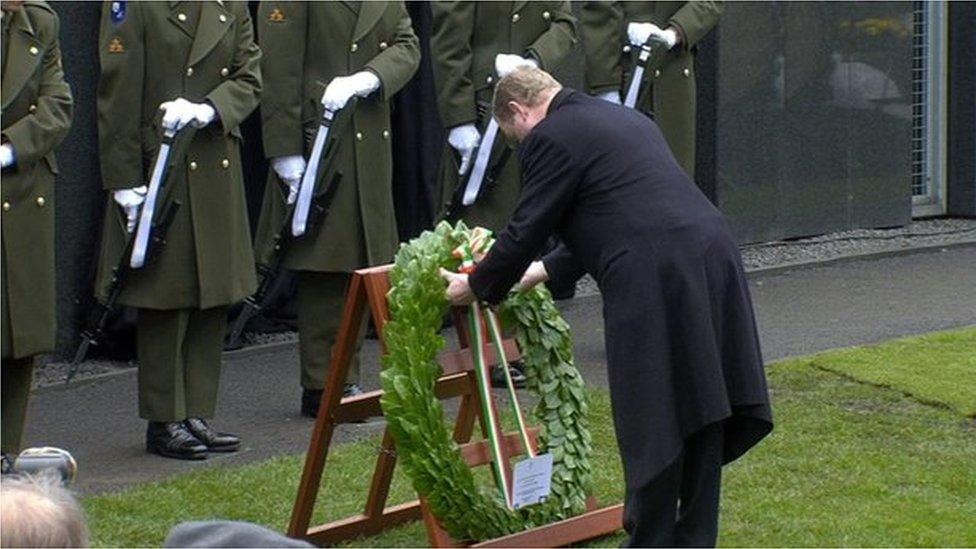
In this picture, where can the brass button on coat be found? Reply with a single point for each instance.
(627, 48)
(6, 206)
(40, 201)
(223, 18)
(489, 80)
(515, 18)
(384, 45)
(359, 136)
(224, 71)
(546, 15)
(33, 50)
(181, 17)
(687, 72)
(386, 134)
(657, 73)
(193, 166)
(354, 47)
(225, 163)
(189, 71)
(32, 109)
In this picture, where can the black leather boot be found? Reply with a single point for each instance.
(215, 442)
(311, 398)
(172, 439)
(498, 376)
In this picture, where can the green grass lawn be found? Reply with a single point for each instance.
(850, 463)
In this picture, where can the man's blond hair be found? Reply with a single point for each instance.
(39, 512)
(527, 86)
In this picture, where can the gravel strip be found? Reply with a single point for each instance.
(922, 233)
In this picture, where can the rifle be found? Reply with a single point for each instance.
(649, 49)
(154, 225)
(484, 173)
(313, 208)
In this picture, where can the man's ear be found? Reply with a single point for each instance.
(516, 109)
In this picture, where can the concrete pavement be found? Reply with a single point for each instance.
(799, 312)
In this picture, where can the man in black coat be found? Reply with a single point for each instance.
(683, 359)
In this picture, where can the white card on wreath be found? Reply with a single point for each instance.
(532, 481)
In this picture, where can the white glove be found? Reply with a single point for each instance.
(6, 155)
(130, 200)
(611, 96)
(290, 170)
(465, 140)
(640, 33)
(535, 274)
(507, 62)
(342, 88)
(180, 112)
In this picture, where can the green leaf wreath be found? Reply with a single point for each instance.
(425, 447)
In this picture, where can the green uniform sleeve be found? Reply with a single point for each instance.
(236, 97)
(396, 64)
(554, 45)
(601, 27)
(450, 45)
(695, 19)
(38, 133)
(122, 58)
(282, 69)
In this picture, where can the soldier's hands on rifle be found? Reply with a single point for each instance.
(6, 155)
(342, 88)
(640, 33)
(505, 63)
(290, 169)
(611, 96)
(180, 112)
(130, 200)
(465, 139)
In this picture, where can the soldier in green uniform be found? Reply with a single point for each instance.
(197, 62)
(36, 116)
(610, 32)
(344, 49)
(467, 40)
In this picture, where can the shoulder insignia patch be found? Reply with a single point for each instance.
(276, 16)
(115, 46)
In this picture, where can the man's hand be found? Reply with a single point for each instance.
(180, 112)
(458, 290)
(130, 200)
(611, 97)
(465, 140)
(640, 33)
(505, 63)
(290, 170)
(535, 274)
(342, 88)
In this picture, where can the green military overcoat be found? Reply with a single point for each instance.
(603, 27)
(151, 53)
(306, 45)
(36, 116)
(465, 39)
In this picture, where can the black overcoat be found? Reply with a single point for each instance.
(681, 340)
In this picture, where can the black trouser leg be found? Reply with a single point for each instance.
(679, 507)
(701, 485)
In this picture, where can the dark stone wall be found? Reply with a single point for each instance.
(962, 109)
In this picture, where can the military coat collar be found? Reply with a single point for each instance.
(215, 20)
(369, 14)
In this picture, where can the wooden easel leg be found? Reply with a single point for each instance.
(318, 448)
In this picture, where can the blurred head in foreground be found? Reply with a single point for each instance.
(36, 511)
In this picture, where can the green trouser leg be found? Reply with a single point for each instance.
(179, 362)
(321, 298)
(17, 374)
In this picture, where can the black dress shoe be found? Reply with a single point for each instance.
(172, 439)
(215, 442)
(498, 376)
(312, 397)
